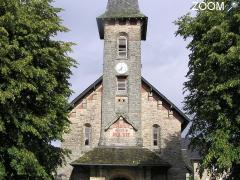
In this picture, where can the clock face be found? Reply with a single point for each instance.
(121, 68)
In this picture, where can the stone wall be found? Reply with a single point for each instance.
(87, 111)
(111, 106)
(206, 175)
(155, 111)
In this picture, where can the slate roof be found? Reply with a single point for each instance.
(93, 86)
(131, 156)
(122, 9)
(187, 160)
(192, 154)
(122, 6)
(189, 156)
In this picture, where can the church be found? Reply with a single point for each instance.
(122, 128)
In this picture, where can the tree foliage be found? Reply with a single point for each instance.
(34, 89)
(213, 86)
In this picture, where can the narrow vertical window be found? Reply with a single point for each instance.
(122, 83)
(155, 135)
(122, 47)
(87, 134)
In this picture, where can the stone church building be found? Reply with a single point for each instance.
(122, 128)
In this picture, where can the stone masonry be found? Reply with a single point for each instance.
(113, 133)
(88, 110)
(111, 59)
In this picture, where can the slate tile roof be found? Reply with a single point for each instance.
(123, 7)
(130, 156)
(189, 156)
(192, 154)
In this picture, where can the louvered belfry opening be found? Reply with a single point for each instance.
(122, 46)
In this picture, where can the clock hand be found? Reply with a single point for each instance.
(120, 68)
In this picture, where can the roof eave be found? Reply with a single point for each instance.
(185, 118)
(122, 165)
(92, 86)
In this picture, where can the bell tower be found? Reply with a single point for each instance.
(122, 27)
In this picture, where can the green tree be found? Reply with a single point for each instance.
(34, 89)
(213, 86)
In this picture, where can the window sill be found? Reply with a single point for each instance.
(87, 146)
(156, 147)
(121, 95)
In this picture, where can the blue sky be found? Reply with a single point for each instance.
(164, 56)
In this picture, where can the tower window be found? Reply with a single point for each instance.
(122, 47)
(155, 135)
(122, 22)
(111, 22)
(87, 134)
(133, 22)
(122, 83)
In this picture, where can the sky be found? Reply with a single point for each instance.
(164, 56)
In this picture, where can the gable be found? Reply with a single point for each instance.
(121, 118)
(167, 103)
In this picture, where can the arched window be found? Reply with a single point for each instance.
(156, 132)
(87, 134)
(122, 46)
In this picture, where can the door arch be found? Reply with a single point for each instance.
(120, 178)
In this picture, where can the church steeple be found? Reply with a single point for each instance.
(122, 10)
(122, 27)
(119, 7)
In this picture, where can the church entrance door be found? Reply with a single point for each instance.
(120, 178)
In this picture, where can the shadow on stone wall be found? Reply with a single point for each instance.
(171, 151)
(80, 173)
